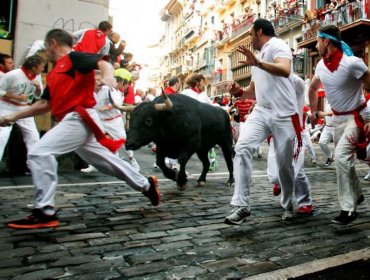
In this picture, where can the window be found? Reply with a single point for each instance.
(7, 18)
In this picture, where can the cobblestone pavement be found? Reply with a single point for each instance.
(109, 231)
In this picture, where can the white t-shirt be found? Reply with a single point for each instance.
(17, 83)
(102, 99)
(343, 86)
(274, 92)
(138, 99)
(201, 97)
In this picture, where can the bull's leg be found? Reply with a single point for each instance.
(181, 176)
(203, 156)
(168, 173)
(227, 150)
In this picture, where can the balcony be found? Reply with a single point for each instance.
(354, 27)
(178, 70)
(242, 27)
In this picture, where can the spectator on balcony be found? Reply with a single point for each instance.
(342, 12)
(276, 113)
(343, 76)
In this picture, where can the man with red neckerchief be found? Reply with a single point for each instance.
(342, 76)
(18, 88)
(173, 86)
(69, 96)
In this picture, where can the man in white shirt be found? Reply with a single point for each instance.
(342, 76)
(276, 113)
(196, 85)
(18, 88)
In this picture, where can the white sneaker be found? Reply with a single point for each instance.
(367, 177)
(89, 169)
(155, 165)
(134, 164)
(288, 215)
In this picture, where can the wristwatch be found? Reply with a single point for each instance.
(259, 64)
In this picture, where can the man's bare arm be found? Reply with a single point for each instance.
(38, 108)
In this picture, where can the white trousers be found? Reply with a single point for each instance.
(261, 123)
(327, 135)
(27, 126)
(302, 187)
(349, 189)
(71, 134)
(116, 129)
(307, 143)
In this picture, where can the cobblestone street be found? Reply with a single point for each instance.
(109, 231)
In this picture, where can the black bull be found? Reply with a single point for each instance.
(187, 127)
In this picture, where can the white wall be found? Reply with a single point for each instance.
(36, 17)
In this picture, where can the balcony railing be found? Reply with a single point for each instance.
(242, 27)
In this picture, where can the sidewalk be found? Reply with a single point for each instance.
(109, 231)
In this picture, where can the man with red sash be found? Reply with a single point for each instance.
(18, 89)
(70, 97)
(342, 76)
(276, 113)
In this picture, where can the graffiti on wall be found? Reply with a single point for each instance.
(71, 26)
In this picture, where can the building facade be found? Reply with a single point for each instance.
(203, 35)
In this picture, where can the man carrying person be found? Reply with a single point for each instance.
(276, 113)
(342, 76)
(69, 96)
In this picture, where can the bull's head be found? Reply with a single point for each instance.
(145, 122)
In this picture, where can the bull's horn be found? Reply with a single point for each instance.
(164, 106)
(120, 107)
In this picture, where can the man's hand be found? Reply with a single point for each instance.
(367, 130)
(313, 119)
(37, 85)
(251, 58)
(233, 88)
(5, 121)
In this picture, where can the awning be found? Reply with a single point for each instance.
(352, 33)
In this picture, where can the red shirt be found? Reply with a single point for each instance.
(169, 90)
(130, 96)
(243, 105)
(92, 41)
(71, 83)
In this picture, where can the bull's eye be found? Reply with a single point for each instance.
(149, 121)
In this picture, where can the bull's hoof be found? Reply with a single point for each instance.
(231, 184)
(201, 183)
(182, 188)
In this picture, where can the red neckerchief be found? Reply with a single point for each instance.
(197, 90)
(2, 69)
(332, 60)
(28, 75)
(169, 90)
